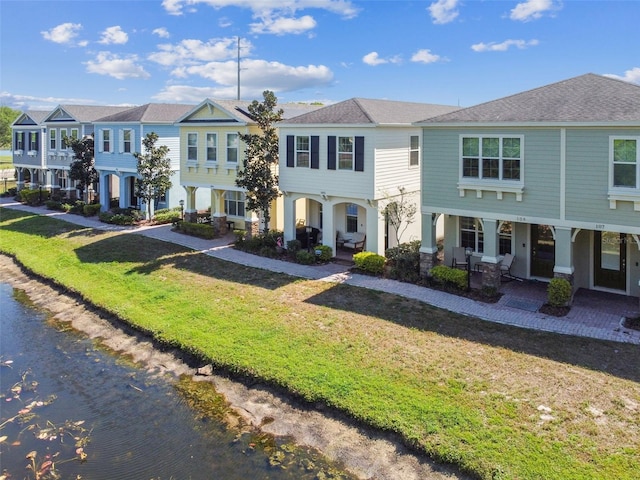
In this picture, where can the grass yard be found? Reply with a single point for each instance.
(497, 401)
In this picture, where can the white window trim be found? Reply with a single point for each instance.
(121, 141)
(232, 165)
(296, 151)
(498, 186)
(211, 163)
(338, 151)
(419, 150)
(191, 162)
(52, 134)
(624, 194)
(101, 141)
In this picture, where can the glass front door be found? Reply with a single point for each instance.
(610, 260)
(543, 251)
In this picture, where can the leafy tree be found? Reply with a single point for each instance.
(7, 117)
(258, 176)
(82, 169)
(154, 171)
(399, 211)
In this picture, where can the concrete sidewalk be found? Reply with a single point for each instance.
(516, 307)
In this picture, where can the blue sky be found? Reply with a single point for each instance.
(454, 52)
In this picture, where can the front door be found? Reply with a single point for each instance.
(610, 260)
(543, 251)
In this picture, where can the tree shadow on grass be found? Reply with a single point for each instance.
(34, 224)
(614, 358)
(152, 255)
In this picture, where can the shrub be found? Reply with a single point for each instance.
(116, 218)
(404, 262)
(91, 209)
(559, 292)
(240, 236)
(201, 230)
(29, 196)
(54, 205)
(167, 215)
(449, 276)
(305, 258)
(369, 262)
(326, 252)
(293, 246)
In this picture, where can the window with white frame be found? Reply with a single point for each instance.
(127, 140)
(232, 147)
(75, 133)
(63, 139)
(192, 147)
(626, 162)
(492, 158)
(505, 238)
(53, 136)
(471, 234)
(303, 151)
(414, 151)
(345, 153)
(234, 203)
(106, 141)
(352, 218)
(212, 147)
(19, 141)
(33, 141)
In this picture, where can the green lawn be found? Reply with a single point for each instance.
(497, 401)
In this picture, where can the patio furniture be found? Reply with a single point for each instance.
(356, 242)
(459, 259)
(505, 266)
(339, 239)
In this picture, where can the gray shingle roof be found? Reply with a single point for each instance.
(360, 111)
(89, 113)
(240, 109)
(587, 98)
(36, 115)
(150, 112)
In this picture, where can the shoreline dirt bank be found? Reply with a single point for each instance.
(366, 453)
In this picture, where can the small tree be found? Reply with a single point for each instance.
(258, 176)
(154, 171)
(82, 169)
(400, 212)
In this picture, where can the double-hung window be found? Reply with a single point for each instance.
(212, 147)
(234, 203)
(414, 151)
(53, 137)
(63, 139)
(127, 138)
(33, 141)
(303, 152)
(624, 171)
(491, 158)
(345, 153)
(232, 147)
(471, 234)
(505, 237)
(192, 147)
(19, 141)
(106, 141)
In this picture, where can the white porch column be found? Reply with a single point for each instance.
(104, 190)
(429, 245)
(564, 254)
(328, 226)
(373, 243)
(289, 214)
(124, 192)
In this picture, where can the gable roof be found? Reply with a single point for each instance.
(588, 98)
(30, 118)
(82, 113)
(149, 113)
(238, 110)
(362, 111)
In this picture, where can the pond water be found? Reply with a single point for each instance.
(66, 400)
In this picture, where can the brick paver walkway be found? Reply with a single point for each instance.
(514, 308)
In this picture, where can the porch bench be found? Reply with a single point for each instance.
(356, 242)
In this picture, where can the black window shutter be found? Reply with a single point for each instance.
(290, 151)
(315, 152)
(331, 153)
(359, 154)
(37, 141)
(24, 141)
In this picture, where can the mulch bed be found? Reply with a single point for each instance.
(632, 323)
(554, 311)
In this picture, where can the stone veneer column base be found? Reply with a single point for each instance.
(220, 225)
(191, 217)
(427, 262)
(491, 276)
(252, 228)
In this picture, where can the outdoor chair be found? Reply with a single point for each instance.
(459, 259)
(356, 242)
(505, 266)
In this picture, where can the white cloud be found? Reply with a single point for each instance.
(631, 76)
(31, 102)
(283, 25)
(121, 68)
(374, 59)
(64, 33)
(503, 46)
(533, 9)
(444, 11)
(161, 32)
(114, 35)
(191, 51)
(425, 56)
(344, 8)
